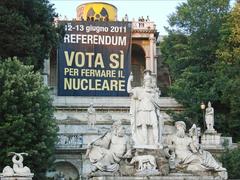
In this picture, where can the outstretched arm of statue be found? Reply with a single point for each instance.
(128, 154)
(129, 86)
(193, 147)
(129, 146)
(159, 114)
(169, 143)
(101, 141)
(104, 141)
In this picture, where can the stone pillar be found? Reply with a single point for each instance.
(155, 57)
(148, 62)
(152, 54)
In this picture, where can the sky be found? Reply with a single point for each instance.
(157, 10)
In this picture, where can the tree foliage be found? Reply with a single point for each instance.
(227, 81)
(203, 54)
(190, 51)
(26, 117)
(231, 160)
(27, 31)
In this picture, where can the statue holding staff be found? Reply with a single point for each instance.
(144, 111)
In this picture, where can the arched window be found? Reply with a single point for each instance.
(138, 64)
(63, 169)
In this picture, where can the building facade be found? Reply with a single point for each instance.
(72, 112)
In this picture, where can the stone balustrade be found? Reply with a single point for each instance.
(143, 26)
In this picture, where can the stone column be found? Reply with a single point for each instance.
(148, 62)
(155, 56)
(152, 55)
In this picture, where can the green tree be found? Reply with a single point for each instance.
(27, 30)
(231, 161)
(190, 51)
(228, 72)
(26, 117)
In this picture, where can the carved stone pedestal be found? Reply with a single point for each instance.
(211, 139)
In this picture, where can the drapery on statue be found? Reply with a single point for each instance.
(106, 152)
(209, 117)
(146, 125)
(188, 153)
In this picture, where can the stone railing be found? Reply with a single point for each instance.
(143, 25)
(69, 141)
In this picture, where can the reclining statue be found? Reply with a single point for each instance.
(188, 153)
(106, 152)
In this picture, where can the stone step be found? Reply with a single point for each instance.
(172, 176)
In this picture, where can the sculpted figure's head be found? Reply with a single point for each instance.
(91, 109)
(209, 104)
(147, 80)
(181, 128)
(118, 129)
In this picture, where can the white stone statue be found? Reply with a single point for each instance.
(188, 153)
(126, 17)
(145, 112)
(209, 118)
(106, 152)
(91, 116)
(145, 162)
(18, 168)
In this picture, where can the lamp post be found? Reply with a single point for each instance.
(203, 109)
